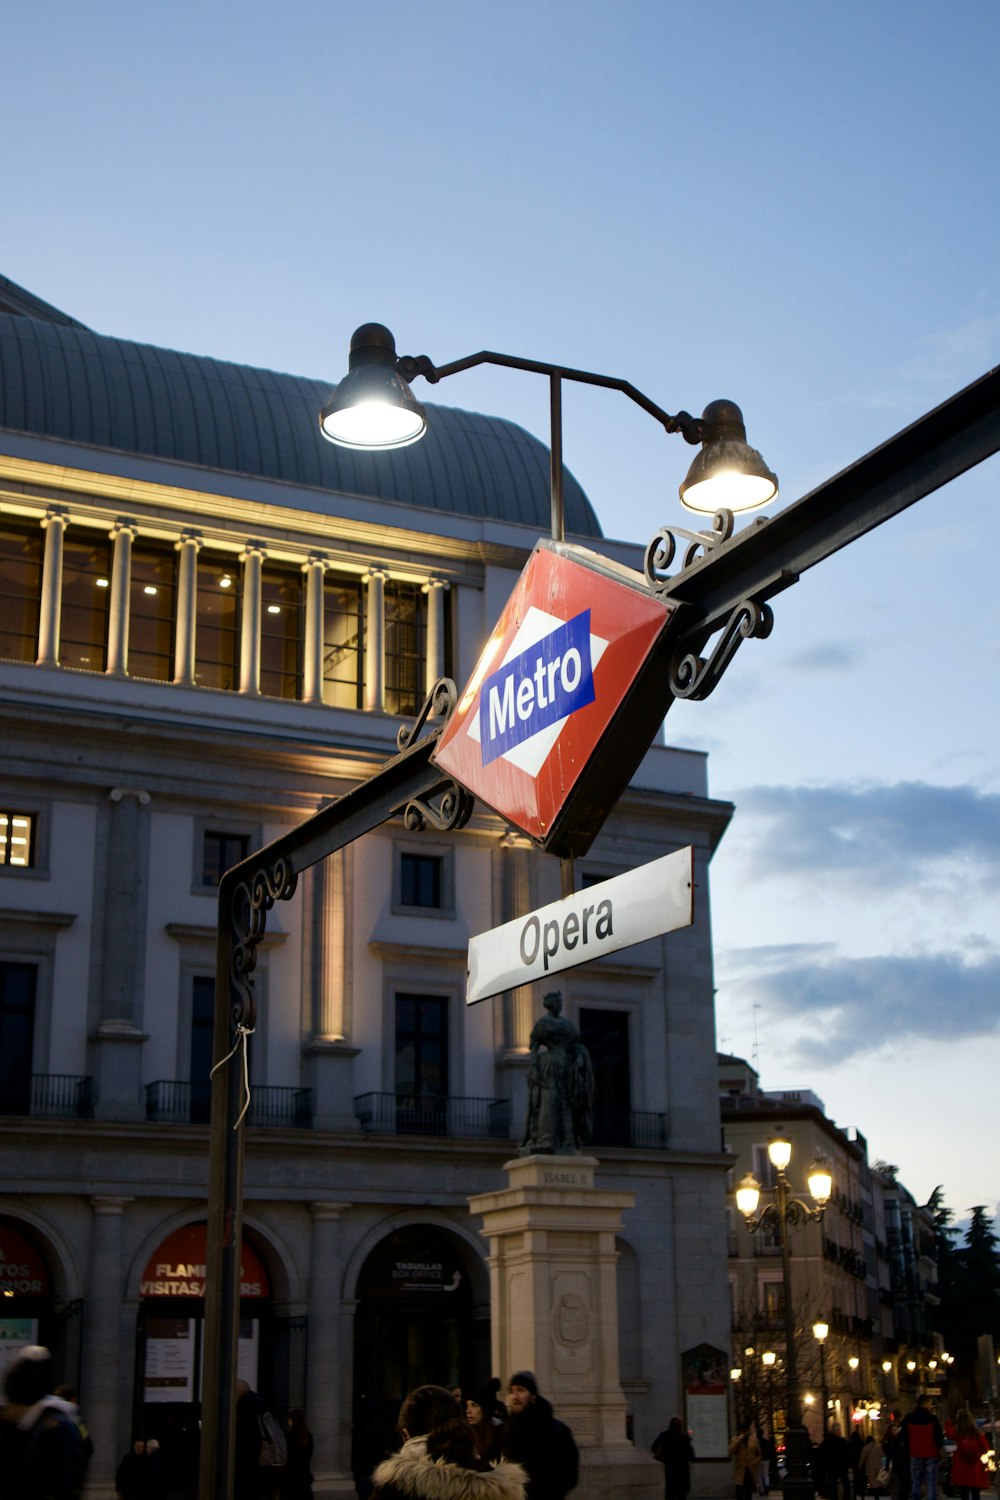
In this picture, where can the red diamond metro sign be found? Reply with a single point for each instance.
(565, 699)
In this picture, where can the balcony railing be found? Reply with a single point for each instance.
(56, 1096)
(410, 1114)
(171, 1101)
(640, 1129)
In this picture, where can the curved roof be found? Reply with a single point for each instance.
(61, 380)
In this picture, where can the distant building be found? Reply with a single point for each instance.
(211, 623)
(866, 1269)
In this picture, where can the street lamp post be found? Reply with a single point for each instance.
(786, 1212)
(820, 1333)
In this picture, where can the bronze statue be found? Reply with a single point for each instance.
(560, 1086)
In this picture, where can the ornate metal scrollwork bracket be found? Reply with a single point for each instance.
(692, 676)
(439, 704)
(252, 900)
(662, 548)
(448, 807)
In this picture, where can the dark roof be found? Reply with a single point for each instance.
(15, 299)
(60, 380)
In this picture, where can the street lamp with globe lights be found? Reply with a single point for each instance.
(821, 1332)
(786, 1212)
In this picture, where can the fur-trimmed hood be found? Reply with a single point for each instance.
(412, 1474)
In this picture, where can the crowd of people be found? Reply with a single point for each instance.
(910, 1459)
(479, 1446)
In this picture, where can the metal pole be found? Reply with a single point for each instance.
(798, 1483)
(556, 458)
(246, 892)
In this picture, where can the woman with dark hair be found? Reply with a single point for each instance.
(297, 1481)
(482, 1416)
(438, 1459)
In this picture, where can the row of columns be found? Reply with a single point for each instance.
(108, 1353)
(252, 557)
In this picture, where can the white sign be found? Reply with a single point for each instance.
(643, 903)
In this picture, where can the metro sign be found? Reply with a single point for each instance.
(565, 699)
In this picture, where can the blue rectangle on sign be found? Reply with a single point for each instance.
(545, 683)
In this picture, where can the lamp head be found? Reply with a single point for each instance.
(372, 407)
(779, 1151)
(727, 474)
(768, 1358)
(820, 1332)
(886, 1366)
(854, 1361)
(748, 1195)
(820, 1182)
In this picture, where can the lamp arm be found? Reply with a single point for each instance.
(409, 366)
(756, 1221)
(799, 1212)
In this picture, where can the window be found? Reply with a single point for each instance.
(152, 612)
(280, 632)
(21, 550)
(772, 1304)
(405, 630)
(422, 1046)
(343, 642)
(420, 879)
(220, 851)
(202, 1026)
(604, 1033)
(217, 621)
(17, 838)
(17, 1036)
(763, 1167)
(85, 594)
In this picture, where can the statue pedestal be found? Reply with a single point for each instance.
(554, 1310)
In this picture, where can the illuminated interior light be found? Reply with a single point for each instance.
(274, 609)
(103, 583)
(149, 589)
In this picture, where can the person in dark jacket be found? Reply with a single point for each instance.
(674, 1450)
(438, 1459)
(252, 1480)
(297, 1480)
(40, 1442)
(538, 1441)
(130, 1476)
(923, 1440)
(835, 1463)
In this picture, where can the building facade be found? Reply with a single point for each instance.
(865, 1270)
(211, 623)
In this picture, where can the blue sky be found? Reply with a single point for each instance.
(792, 205)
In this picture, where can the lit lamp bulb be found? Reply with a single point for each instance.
(727, 474)
(820, 1182)
(748, 1195)
(779, 1151)
(372, 407)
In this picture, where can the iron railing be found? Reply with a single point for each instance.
(172, 1101)
(642, 1129)
(413, 1114)
(56, 1096)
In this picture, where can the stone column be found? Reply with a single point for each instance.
(375, 640)
(514, 1016)
(54, 525)
(312, 665)
(121, 583)
(187, 608)
(327, 986)
(554, 1309)
(435, 589)
(252, 559)
(104, 1377)
(119, 1037)
(329, 1417)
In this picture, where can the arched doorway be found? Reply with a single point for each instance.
(418, 1321)
(30, 1312)
(169, 1353)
